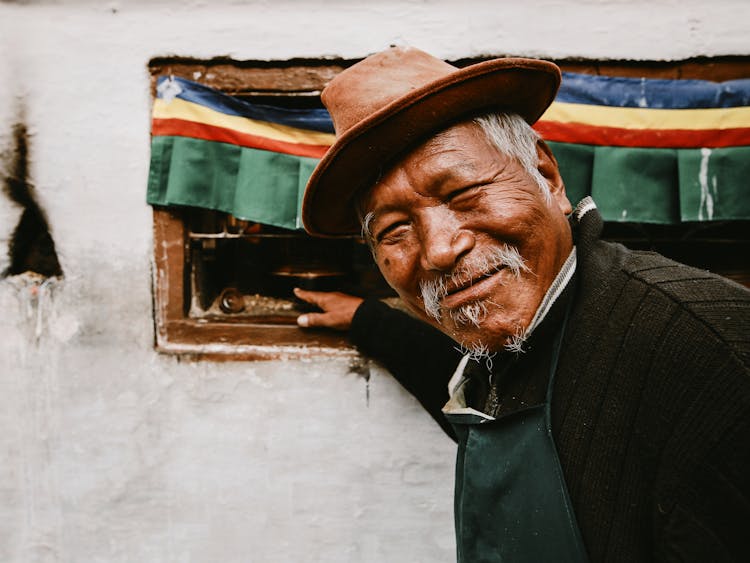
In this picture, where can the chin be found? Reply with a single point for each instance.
(479, 325)
(485, 342)
(488, 336)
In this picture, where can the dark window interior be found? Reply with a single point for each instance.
(720, 247)
(248, 270)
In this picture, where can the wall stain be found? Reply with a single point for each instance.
(361, 366)
(31, 246)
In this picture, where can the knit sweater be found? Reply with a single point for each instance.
(651, 401)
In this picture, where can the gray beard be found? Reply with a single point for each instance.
(474, 313)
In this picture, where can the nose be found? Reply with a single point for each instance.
(443, 243)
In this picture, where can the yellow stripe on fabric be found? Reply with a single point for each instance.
(647, 118)
(189, 111)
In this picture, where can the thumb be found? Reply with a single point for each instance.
(311, 319)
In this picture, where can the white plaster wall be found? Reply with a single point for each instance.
(110, 452)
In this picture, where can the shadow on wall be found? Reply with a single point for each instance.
(31, 250)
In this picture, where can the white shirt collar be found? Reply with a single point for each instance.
(560, 282)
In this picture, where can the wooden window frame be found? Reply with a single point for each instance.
(177, 333)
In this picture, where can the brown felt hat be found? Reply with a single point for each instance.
(395, 99)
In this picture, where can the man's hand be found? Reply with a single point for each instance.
(338, 309)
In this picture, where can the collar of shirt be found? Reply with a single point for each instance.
(558, 285)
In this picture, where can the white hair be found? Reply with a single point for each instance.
(512, 136)
(366, 225)
(476, 266)
(477, 352)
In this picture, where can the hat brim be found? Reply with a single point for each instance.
(523, 86)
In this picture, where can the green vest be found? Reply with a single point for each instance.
(511, 503)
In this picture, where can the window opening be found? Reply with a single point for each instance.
(223, 284)
(247, 270)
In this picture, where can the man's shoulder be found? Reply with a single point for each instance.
(681, 283)
(712, 304)
(678, 281)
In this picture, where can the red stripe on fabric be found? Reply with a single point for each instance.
(647, 138)
(184, 128)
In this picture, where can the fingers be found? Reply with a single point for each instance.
(313, 297)
(328, 300)
(338, 309)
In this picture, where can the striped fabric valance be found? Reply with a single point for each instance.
(653, 151)
(656, 151)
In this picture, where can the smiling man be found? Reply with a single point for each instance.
(467, 237)
(601, 397)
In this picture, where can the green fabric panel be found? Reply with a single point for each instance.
(658, 185)
(256, 185)
(202, 174)
(306, 167)
(714, 184)
(628, 184)
(576, 164)
(267, 188)
(636, 185)
(158, 173)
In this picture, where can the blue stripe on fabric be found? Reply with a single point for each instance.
(173, 87)
(652, 93)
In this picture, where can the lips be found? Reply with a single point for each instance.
(473, 290)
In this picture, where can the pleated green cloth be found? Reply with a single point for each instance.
(642, 185)
(256, 185)
(666, 186)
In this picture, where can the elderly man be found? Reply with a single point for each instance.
(602, 404)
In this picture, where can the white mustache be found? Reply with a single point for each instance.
(475, 267)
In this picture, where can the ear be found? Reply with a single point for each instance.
(551, 173)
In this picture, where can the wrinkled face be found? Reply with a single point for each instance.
(467, 238)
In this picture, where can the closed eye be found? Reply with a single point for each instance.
(465, 195)
(392, 233)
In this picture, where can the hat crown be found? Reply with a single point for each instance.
(373, 83)
(393, 100)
